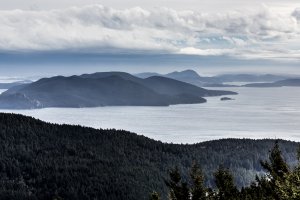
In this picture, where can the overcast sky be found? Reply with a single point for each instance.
(199, 5)
(241, 34)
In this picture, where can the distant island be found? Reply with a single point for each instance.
(104, 89)
(287, 82)
(226, 99)
(124, 89)
(294, 82)
(220, 85)
(192, 77)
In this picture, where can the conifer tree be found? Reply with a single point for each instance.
(277, 170)
(198, 191)
(277, 167)
(289, 188)
(178, 189)
(225, 185)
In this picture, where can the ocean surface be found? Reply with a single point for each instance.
(255, 113)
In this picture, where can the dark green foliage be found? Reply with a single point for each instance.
(198, 190)
(178, 189)
(280, 183)
(182, 190)
(154, 196)
(225, 185)
(277, 167)
(39, 160)
(289, 188)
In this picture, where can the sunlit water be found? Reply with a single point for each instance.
(255, 113)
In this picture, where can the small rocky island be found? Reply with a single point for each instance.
(226, 99)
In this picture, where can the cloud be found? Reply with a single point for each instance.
(100, 29)
(296, 14)
(205, 52)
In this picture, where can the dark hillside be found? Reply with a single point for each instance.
(104, 89)
(39, 160)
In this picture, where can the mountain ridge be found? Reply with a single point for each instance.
(192, 77)
(104, 89)
(286, 82)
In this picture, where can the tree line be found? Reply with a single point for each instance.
(40, 160)
(280, 182)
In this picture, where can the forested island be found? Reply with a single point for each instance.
(104, 89)
(40, 160)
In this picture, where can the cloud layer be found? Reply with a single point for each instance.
(99, 29)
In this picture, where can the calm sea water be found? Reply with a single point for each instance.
(255, 113)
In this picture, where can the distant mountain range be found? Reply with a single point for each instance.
(13, 84)
(250, 78)
(104, 89)
(286, 82)
(194, 78)
(188, 76)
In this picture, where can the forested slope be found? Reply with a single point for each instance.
(39, 160)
